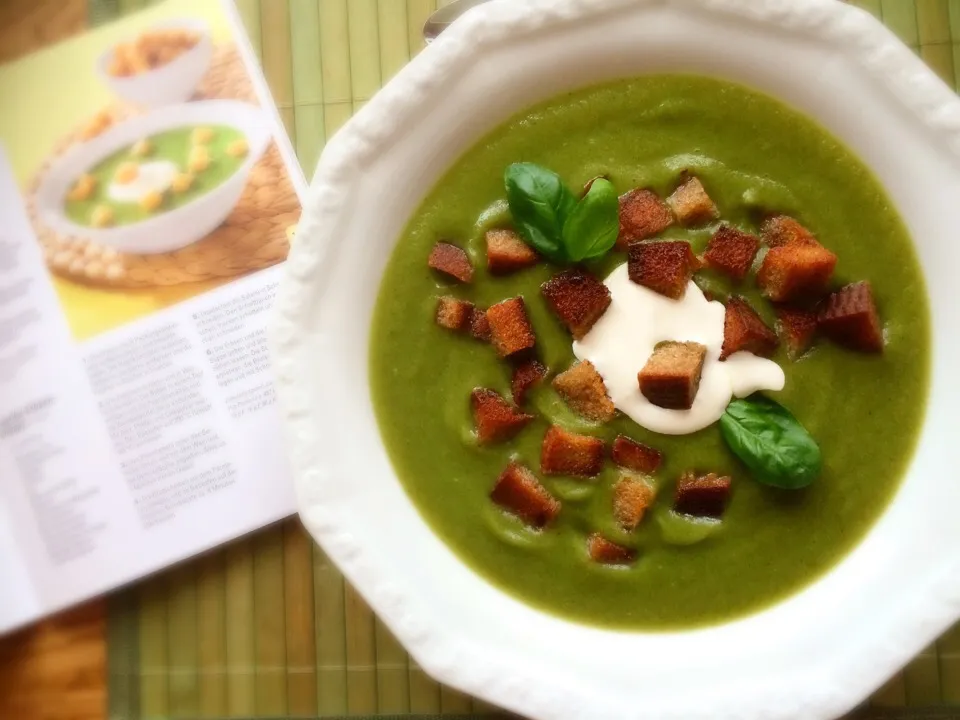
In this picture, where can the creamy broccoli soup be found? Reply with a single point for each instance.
(158, 173)
(667, 398)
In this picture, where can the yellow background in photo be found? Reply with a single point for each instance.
(48, 94)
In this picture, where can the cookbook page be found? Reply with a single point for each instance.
(148, 194)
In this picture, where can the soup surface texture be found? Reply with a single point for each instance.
(755, 156)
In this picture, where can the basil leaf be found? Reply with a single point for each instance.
(592, 228)
(771, 442)
(540, 204)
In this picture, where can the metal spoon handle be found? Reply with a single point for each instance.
(442, 18)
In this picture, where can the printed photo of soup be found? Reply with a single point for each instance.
(653, 354)
(158, 173)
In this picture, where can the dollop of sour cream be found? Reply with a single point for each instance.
(623, 339)
(153, 176)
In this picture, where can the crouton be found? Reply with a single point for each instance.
(510, 329)
(630, 454)
(198, 159)
(451, 260)
(151, 201)
(495, 419)
(796, 271)
(577, 298)
(631, 498)
(181, 182)
(454, 314)
(238, 148)
(664, 267)
(126, 173)
(525, 375)
(479, 325)
(671, 377)
(507, 252)
(605, 552)
(201, 135)
(704, 496)
(141, 148)
(731, 251)
(583, 389)
(744, 330)
(796, 328)
(566, 453)
(691, 205)
(849, 318)
(642, 215)
(83, 188)
(520, 493)
(784, 230)
(101, 216)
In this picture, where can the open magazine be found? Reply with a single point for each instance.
(147, 194)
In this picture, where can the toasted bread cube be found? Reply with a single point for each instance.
(567, 453)
(796, 328)
(577, 298)
(151, 201)
(126, 173)
(630, 454)
(510, 329)
(238, 148)
(198, 159)
(704, 496)
(743, 329)
(731, 251)
(141, 148)
(83, 188)
(525, 375)
(671, 377)
(181, 183)
(496, 420)
(664, 267)
(849, 318)
(479, 325)
(691, 205)
(102, 216)
(631, 498)
(507, 252)
(520, 493)
(451, 260)
(454, 313)
(583, 389)
(642, 215)
(784, 230)
(796, 271)
(605, 552)
(201, 135)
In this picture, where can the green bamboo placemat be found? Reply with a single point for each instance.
(282, 634)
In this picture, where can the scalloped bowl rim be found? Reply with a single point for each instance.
(813, 655)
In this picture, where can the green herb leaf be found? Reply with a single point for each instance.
(540, 204)
(771, 442)
(592, 228)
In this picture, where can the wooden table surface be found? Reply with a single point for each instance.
(56, 670)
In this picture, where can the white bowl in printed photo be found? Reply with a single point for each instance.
(812, 656)
(173, 82)
(167, 230)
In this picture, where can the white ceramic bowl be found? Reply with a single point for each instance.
(174, 82)
(168, 230)
(814, 655)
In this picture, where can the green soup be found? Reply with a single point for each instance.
(754, 156)
(173, 146)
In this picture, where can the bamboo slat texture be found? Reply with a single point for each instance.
(267, 627)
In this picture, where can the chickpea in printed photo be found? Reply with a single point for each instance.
(114, 271)
(151, 201)
(126, 173)
(199, 159)
(238, 148)
(83, 188)
(181, 183)
(141, 148)
(61, 259)
(96, 125)
(102, 216)
(94, 270)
